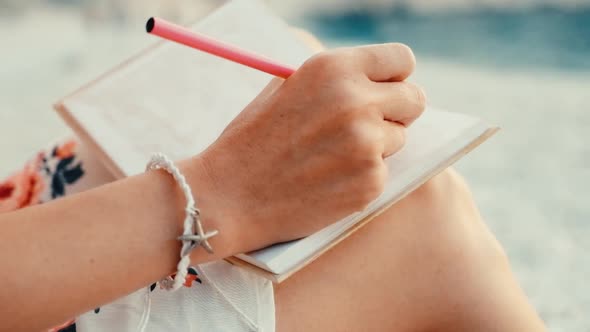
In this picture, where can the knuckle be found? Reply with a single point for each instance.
(326, 63)
(363, 138)
(405, 54)
(346, 95)
(317, 60)
(351, 100)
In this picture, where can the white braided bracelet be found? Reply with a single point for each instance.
(193, 234)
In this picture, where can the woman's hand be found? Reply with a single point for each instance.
(309, 150)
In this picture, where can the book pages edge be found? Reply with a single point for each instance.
(278, 278)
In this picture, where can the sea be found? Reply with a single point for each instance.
(523, 65)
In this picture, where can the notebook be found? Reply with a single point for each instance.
(177, 100)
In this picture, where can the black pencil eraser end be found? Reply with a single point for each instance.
(149, 26)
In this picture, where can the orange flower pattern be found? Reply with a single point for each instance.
(23, 188)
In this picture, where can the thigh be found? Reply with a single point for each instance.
(427, 263)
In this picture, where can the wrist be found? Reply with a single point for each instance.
(235, 234)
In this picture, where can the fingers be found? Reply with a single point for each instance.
(394, 136)
(382, 97)
(401, 102)
(385, 62)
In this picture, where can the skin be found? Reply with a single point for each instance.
(428, 263)
(352, 110)
(433, 265)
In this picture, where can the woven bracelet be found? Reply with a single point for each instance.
(193, 234)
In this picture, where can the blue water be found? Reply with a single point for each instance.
(535, 37)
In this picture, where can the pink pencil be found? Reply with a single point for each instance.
(170, 31)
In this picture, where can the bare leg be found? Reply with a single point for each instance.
(427, 264)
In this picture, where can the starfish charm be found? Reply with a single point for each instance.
(200, 237)
(198, 240)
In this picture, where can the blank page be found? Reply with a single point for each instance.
(178, 100)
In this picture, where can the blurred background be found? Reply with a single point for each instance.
(522, 64)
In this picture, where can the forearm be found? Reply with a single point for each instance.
(68, 256)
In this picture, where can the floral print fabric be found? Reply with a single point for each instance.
(43, 178)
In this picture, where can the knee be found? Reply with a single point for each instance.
(451, 262)
(448, 188)
(442, 213)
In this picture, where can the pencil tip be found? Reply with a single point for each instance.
(149, 26)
